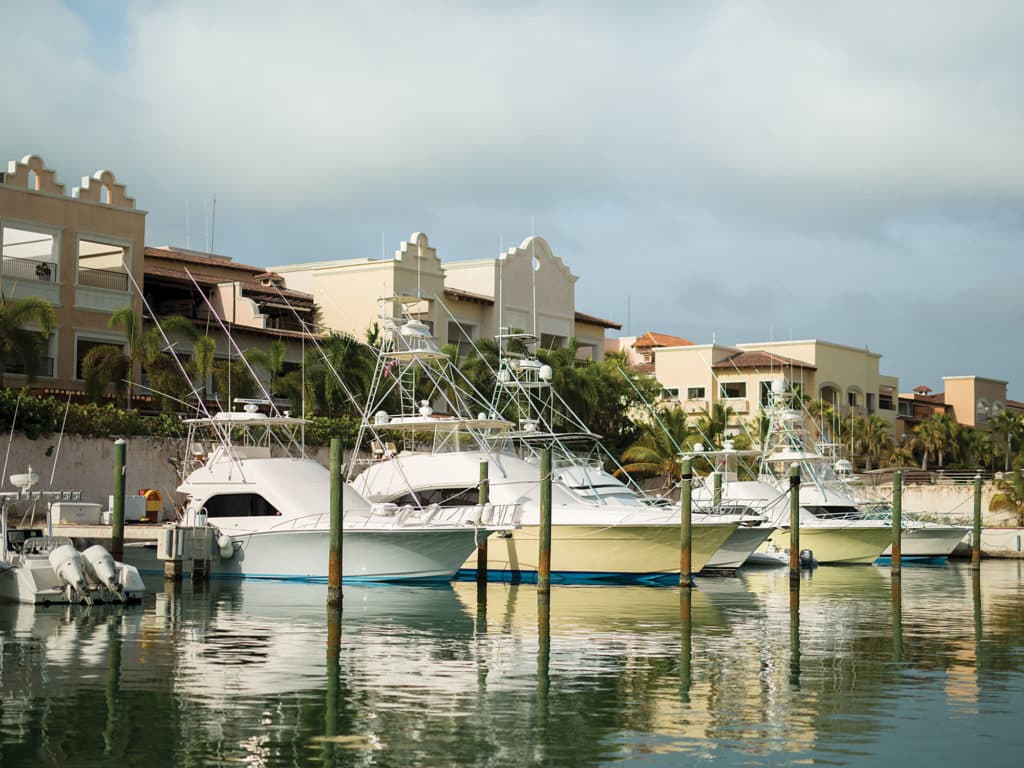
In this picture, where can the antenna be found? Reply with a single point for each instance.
(188, 238)
(213, 223)
(419, 259)
(501, 270)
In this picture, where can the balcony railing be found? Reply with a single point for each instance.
(45, 367)
(103, 278)
(29, 269)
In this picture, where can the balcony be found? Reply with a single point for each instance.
(738, 404)
(104, 290)
(30, 277)
(695, 406)
(107, 279)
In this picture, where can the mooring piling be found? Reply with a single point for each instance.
(794, 523)
(685, 525)
(544, 555)
(117, 515)
(976, 533)
(897, 523)
(484, 497)
(334, 556)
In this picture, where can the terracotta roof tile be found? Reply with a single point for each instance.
(652, 339)
(582, 317)
(761, 359)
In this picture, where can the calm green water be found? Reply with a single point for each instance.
(240, 674)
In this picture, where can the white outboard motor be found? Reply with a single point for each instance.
(101, 570)
(66, 562)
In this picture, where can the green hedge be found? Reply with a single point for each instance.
(43, 416)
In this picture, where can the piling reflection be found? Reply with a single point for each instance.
(897, 616)
(685, 642)
(744, 667)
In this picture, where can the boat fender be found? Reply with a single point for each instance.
(66, 562)
(100, 569)
(225, 546)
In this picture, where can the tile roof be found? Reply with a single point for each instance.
(194, 257)
(652, 339)
(761, 359)
(582, 317)
(460, 295)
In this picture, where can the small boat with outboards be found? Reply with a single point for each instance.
(37, 567)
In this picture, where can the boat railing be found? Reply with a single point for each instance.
(395, 516)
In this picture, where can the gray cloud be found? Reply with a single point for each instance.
(733, 166)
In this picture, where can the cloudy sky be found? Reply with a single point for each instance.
(725, 168)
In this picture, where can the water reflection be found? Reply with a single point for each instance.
(743, 669)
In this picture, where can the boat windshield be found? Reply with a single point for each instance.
(837, 512)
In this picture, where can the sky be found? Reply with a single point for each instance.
(725, 170)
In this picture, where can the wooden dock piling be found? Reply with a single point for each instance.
(897, 523)
(481, 550)
(976, 533)
(117, 514)
(544, 555)
(334, 561)
(794, 523)
(685, 525)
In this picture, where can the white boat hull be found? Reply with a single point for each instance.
(929, 541)
(367, 555)
(35, 583)
(738, 547)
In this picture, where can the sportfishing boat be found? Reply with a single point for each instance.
(269, 502)
(832, 526)
(38, 567)
(921, 539)
(600, 530)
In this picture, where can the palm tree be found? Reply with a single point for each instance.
(871, 437)
(654, 452)
(899, 456)
(1009, 496)
(18, 342)
(935, 436)
(712, 425)
(1007, 427)
(975, 448)
(270, 359)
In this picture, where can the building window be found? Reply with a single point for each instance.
(734, 389)
(885, 402)
(695, 393)
(84, 346)
(28, 254)
(44, 366)
(102, 265)
(766, 393)
(670, 393)
(851, 399)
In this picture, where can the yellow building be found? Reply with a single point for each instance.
(528, 287)
(80, 253)
(740, 376)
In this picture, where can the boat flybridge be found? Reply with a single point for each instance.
(38, 567)
(248, 475)
(432, 449)
(832, 525)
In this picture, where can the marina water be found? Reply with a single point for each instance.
(926, 671)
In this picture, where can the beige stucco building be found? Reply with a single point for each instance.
(79, 252)
(740, 376)
(528, 288)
